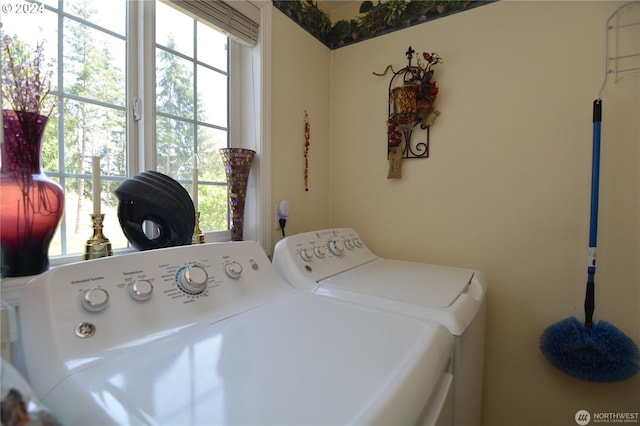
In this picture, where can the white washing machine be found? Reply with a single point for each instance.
(211, 334)
(336, 263)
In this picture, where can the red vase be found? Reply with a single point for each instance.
(32, 204)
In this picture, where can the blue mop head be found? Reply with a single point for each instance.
(601, 353)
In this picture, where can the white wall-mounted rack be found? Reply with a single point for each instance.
(622, 41)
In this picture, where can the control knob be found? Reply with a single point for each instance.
(349, 244)
(320, 252)
(141, 290)
(192, 279)
(233, 269)
(334, 247)
(305, 254)
(95, 299)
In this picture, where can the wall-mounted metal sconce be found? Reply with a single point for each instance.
(412, 92)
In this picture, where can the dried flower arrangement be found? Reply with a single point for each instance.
(32, 203)
(410, 104)
(26, 81)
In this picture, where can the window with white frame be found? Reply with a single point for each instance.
(144, 86)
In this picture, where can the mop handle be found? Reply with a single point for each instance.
(589, 302)
(595, 176)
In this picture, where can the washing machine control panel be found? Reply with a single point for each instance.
(98, 306)
(312, 256)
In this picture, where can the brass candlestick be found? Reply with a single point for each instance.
(198, 235)
(98, 245)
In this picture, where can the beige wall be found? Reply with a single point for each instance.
(301, 81)
(505, 190)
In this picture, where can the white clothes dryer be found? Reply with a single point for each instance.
(337, 264)
(211, 334)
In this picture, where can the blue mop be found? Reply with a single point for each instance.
(592, 352)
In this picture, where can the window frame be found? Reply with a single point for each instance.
(142, 93)
(245, 63)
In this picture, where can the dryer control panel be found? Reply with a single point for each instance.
(313, 256)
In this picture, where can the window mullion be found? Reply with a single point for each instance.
(143, 148)
(61, 127)
(195, 89)
(234, 94)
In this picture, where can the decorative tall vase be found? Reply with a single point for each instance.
(32, 204)
(237, 165)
